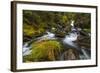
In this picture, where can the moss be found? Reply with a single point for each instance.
(48, 50)
(87, 30)
(30, 31)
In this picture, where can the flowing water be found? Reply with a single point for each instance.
(26, 49)
(67, 40)
(47, 36)
(70, 38)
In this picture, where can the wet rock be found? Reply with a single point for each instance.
(71, 54)
(84, 41)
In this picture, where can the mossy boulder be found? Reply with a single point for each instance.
(31, 32)
(47, 50)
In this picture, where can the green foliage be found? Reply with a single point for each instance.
(47, 50)
(28, 30)
(87, 30)
(31, 31)
(36, 23)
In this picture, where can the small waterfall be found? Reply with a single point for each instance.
(26, 50)
(70, 38)
(50, 35)
(73, 35)
(26, 47)
(85, 54)
(47, 36)
(72, 23)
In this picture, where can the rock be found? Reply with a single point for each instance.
(71, 54)
(84, 41)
